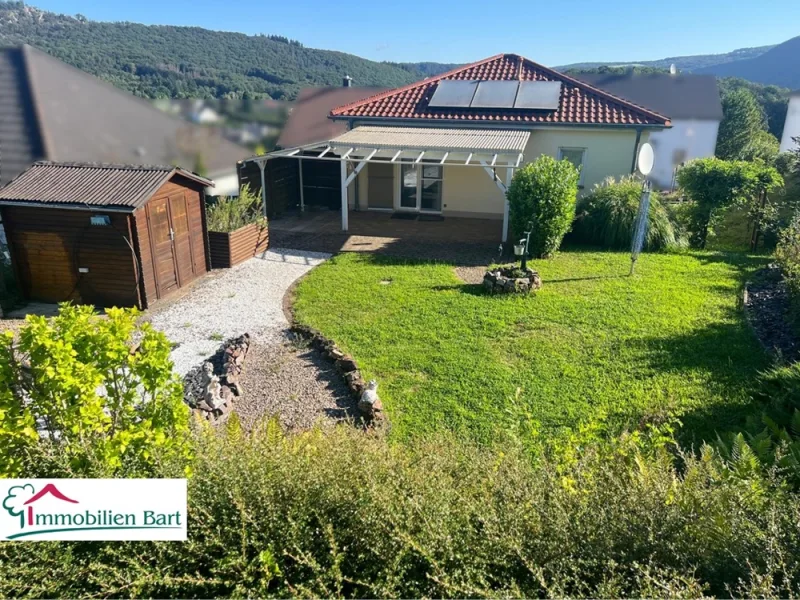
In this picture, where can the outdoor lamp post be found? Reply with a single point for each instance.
(521, 250)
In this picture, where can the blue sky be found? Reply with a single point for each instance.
(553, 33)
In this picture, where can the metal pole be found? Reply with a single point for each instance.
(261, 166)
(302, 198)
(641, 225)
(524, 263)
(344, 194)
(509, 175)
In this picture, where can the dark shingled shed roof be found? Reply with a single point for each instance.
(91, 184)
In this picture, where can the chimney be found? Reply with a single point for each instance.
(347, 81)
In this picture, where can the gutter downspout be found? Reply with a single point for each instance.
(261, 165)
(636, 149)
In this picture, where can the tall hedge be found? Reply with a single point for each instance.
(344, 514)
(542, 197)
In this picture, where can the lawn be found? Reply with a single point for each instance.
(593, 347)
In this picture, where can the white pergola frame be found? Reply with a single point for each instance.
(361, 156)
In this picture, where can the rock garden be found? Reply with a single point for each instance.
(511, 279)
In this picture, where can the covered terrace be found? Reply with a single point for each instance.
(403, 153)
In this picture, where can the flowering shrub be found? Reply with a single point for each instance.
(76, 385)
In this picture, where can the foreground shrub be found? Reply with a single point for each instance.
(346, 515)
(607, 216)
(229, 213)
(541, 198)
(772, 438)
(74, 388)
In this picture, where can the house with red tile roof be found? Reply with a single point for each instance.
(448, 145)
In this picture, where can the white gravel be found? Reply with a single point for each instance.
(245, 299)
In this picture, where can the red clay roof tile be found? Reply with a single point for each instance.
(580, 103)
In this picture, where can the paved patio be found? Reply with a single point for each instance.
(453, 239)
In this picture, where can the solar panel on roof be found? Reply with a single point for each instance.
(542, 95)
(453, 93)
(495, 94)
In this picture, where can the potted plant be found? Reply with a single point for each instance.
(237, 229)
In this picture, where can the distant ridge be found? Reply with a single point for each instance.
(163, 61)
(780, 65)
(683, 63)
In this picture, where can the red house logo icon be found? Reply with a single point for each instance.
(22, 497)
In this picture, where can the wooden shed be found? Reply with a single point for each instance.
(107, 235)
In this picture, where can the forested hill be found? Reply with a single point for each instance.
(690, 63)
(157, 61)
(779, 66)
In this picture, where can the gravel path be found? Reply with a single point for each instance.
(295, 384)
(11, 325)
(245, 299)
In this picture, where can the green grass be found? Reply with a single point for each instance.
(592, 347)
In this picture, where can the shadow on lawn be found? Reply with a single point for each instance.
(729, 360)
(587, 278)
(472, 289)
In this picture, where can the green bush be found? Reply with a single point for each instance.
(788, 255)
(714, 185)
(542, 197)
(10, 294)
(232, 212)
(343, 514)
(680, 215)
(73, 387)
(607, 216)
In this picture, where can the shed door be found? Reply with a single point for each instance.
(161, 239)
(182, 240)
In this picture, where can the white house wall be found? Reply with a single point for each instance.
(471, 192)
(608, 152)
(688, 139)
(225, 184)
(792, 127)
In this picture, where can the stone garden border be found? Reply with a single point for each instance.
(364, 393)
(211, 391)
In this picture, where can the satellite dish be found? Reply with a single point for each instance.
(646, 159)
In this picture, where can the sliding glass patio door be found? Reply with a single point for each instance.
(421, 187)
(409, 182)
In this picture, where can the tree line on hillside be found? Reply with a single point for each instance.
(191, 62)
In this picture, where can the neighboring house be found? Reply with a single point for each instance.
(693, 105)
(308, 120)
(791, 129)
(52, 111)
(449, 144)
